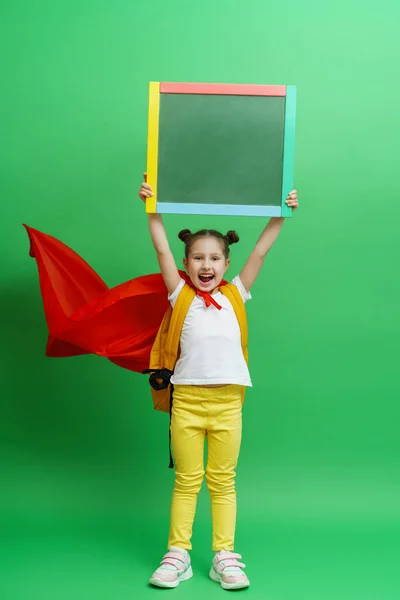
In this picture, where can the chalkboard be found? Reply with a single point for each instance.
(220, 149)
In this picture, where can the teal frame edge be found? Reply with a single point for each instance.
(218, 209)
(288, 148)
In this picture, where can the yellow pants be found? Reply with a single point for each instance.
(217, 412)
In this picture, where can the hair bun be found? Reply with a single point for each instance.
(232, 237)
(185, 235)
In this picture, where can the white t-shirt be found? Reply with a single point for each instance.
(211, 348)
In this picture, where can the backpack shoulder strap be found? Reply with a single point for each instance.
(232, 293)
(166, 346)
(178, 315)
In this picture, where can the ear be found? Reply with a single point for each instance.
(185, 263)
(227, 263)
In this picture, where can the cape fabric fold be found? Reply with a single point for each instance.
(85, 316)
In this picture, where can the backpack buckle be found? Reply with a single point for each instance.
(159, 378)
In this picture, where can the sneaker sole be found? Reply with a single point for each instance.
(172, 584)
(227, 586)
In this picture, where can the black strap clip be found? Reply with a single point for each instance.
(159, 378)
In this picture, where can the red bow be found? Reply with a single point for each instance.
(208, 299)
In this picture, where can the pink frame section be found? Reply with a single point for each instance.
(223, 89)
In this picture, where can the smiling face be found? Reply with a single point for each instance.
(206, 264)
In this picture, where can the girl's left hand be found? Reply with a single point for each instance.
(292, 200)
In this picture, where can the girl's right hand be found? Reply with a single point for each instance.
(146, 190)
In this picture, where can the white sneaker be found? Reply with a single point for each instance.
(227, 571)
(174, 568)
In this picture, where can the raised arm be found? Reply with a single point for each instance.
(159, 238)
(253, 265)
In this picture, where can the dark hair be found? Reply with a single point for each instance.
(188, 238)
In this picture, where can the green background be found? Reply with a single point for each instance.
(208, 146)
(85, 487)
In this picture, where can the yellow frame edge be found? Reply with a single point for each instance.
(152, 143)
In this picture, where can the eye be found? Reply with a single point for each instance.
(214, 258)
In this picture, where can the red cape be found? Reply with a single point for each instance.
(85, 316)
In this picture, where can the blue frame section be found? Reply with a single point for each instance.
(219, 209)
(288, 148)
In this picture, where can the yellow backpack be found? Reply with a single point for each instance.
(165, 351)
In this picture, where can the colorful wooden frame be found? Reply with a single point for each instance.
(158, 88)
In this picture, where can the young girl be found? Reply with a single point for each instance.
(207, 399)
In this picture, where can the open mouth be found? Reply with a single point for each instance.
(206, 278)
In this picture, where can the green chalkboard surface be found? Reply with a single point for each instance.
(221, 149)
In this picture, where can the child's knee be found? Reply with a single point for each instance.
(189, 483)
(220, 482)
